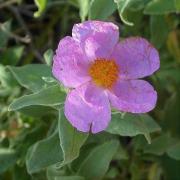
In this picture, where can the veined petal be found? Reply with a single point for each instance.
(96, 38)
(82, 31)
(99, 45)
(136, 58)
(69, 64)
(87, 108)
(135, 96)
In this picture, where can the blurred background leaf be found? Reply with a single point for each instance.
(83, 8)
(41, 4)
(37, 158)
(132, 125)
(162, 7)
(100, 9)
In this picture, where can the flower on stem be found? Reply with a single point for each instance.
(103, 73)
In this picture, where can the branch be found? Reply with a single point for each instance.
(25, 28)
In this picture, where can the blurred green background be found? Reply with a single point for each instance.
(144, 147)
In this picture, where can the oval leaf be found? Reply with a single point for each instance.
(30, 76)
(50, 96)
(132, 125)
(43, 154)
(71, 140)
(100, 9)
(97, 162)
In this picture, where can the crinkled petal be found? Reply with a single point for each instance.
(70, 66)
(136, 58)
(87, 108)
(99, 45)
(82, 31)
(97, 38)
(135, 96)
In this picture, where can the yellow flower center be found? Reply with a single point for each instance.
(104, 72)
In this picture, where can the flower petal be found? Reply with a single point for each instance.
(97, 38)
(82, 31)
(136, 58)
(99, 45)
(88, 109)
(136, 96)
(69, 64)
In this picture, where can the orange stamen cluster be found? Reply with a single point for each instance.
(104, 72)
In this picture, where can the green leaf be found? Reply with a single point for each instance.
(164, 144)
(38, 111)
(8, 158)
(48, 56)
(41, 4)
(51, 96)
(121, 154)
(112, 173)
(167, 76)
(27, 137)
(132, 125)
(8, 85)
(158, 38)
(43, 154)
(137, 5)
(96, 164)
(100, 9)
(122, 6)
(84, 8)
(170, 168)
(177, 4)
(171, 115)
(30, 76)
(6, 78)
(92, 141)
(174, 151)
(173, 45)
(137, 19)
(71, 140)
(54, 173)
(11, 56)
(162, 7)
(159, 145)
(5, 28)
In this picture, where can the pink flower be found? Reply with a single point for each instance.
(103, 72)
